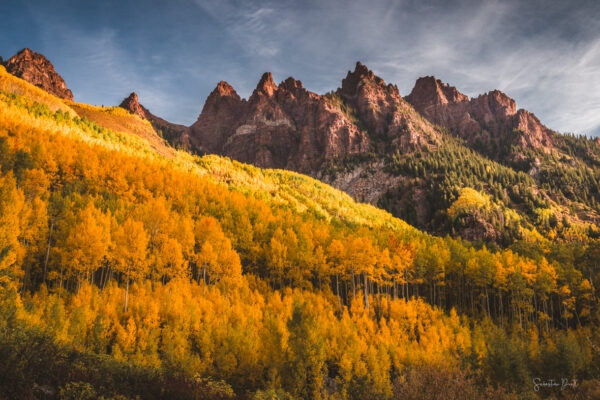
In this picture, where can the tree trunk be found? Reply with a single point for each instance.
(48, 250)
(366, 291)
(501, 310)
(126, 293)
(487, 300)
(337, 290)
(353, 285)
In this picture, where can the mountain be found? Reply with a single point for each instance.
(407, 154)
(404, 153)
(383, 113)
(130, 269)
(279, 126)
(167, 130)
(37, 70)
(287, 126)
(489, 122)
(416, 156)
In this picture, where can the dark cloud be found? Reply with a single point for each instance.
(545, 54)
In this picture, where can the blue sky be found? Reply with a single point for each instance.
(544, 54)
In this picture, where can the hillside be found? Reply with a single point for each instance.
(129, 268)
(413, 156)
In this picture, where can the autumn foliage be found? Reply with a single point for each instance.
(224, 280)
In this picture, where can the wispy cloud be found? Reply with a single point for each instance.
(100, 69)
(543, 53)
(257, 27)
(524, 49)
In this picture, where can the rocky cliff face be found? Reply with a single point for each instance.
(36, 69)
(132, 104)
(279, 126)
(385, 113)
(490, 121)
(174, 133)
(287, 126)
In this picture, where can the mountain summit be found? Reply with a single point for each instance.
(169, 131)
(279, 126)
(490, 121)
(132, 104)
(36, 69)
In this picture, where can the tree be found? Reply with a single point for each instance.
(335, 256)
(168, 260)
(361, 259)
(305, 366)
(130, 252)
(87, 243)
(277, 257)
(11, 204)
(215, 256)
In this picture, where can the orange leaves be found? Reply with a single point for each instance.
(545, 279)
(167, 236)
(131, 242)
(96, 202)
(34, 183)
(11, 205)
(277, 257)
(88, 241)
(214, 253)
(360, 255)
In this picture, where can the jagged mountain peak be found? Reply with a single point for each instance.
(131, 100)
(223, 93)
(222, 97)
(356, 79)
(489, 120)
(362, 70)
(132, 104)
(172, 132)
(291, 84)
(266, 85)
(224, 89)
(499, 103)
(38, 70)
(429, 89)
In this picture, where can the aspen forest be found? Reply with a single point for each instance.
(132, 270)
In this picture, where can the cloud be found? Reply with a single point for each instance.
(257, 27)
(543, 53)
(100, 68)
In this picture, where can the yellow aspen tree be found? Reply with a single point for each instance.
(277, 258)
(335, 257)
(205, 259)
(131, 242)
(87, 243)
(168, 260)
(11, 204)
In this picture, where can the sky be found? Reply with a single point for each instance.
(544, 54)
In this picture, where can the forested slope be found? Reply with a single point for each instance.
(130, 269)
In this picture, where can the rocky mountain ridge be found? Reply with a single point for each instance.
(279, 126)
(36, 69)
(168, 130)
(490, 121)
(411, 155)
